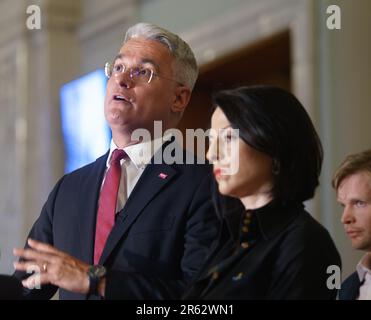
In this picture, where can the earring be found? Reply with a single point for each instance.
(275, 167)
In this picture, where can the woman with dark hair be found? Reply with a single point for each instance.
(269, 246)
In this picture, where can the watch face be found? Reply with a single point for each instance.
(98, 271)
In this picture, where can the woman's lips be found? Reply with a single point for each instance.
(217, 172)
(220, 172)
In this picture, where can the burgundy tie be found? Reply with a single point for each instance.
(107, 203)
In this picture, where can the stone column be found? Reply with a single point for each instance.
(33, 65)
(344, 81)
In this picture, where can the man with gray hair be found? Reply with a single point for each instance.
(125, 227)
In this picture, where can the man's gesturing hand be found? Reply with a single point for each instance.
(56, 267)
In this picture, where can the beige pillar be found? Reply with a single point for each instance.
(33, 65)
(344, 87)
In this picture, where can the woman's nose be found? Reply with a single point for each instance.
(212, 154)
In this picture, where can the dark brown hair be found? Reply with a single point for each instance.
(272, 121)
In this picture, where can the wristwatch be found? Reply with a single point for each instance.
(95, 273)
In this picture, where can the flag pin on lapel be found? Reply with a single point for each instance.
(162, 175)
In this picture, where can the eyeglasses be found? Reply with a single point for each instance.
(137, 74)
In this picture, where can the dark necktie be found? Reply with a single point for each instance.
(107, 203)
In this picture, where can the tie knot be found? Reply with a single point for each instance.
(118, 155)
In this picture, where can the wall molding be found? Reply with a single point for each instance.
(105, 16)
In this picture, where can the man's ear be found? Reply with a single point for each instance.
(181, 99)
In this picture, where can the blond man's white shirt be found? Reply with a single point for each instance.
(364, 274)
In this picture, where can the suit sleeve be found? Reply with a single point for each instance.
(202, 227)
(42, 230)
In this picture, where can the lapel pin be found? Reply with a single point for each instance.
(238, 277)
(162, 175)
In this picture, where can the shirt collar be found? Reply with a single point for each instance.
(141, 153)
(364, 266)
(270, 219)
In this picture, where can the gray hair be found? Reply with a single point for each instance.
(186, 70)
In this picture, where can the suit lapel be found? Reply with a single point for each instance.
(89, 195)
(152, 181)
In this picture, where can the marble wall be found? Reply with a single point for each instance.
(10, 215)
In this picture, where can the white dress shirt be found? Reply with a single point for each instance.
(364, 274)
(139, 155)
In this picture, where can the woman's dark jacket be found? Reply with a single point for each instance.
(275, 252)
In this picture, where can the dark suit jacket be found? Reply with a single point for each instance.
(159, 240)
(10, 288)
(287, 257)
(350, 287)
